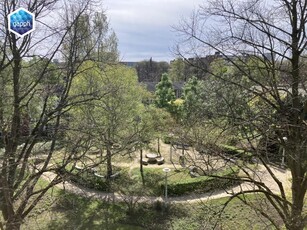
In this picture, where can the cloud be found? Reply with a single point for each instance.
(144, 27)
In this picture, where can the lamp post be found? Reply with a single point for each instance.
(283, 153)
(171, 147)
(166, 170)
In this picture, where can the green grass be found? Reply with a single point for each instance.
(240, 153)
(61, 210)
(129, 182)
(210, 215)
(173, 176)
(180, 182)
(70, 211)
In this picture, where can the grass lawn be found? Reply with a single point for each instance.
(60, 210)
(173, 175)
(129, 181)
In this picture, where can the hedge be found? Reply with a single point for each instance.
(239, 153)
(91, 181)
(202, 184)
(88, 180)
(184, 186)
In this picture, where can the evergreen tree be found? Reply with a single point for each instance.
(165, 94)
(193, 95)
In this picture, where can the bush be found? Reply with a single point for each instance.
(168, 139)
(269, 147)
(201, 184)
(179, 184)
(86, 178)
(239, 153)
(89, 180)
(233, 140)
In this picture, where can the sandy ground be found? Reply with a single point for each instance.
(261, 175)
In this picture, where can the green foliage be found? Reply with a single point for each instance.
(239, 153)
(201, 184)
(194, 100)
(89, 180)
(178, 70)
(183, 70)
(165, 94)
(76, 212)
(153, 123)
(112, 117)
(181, 183)
(35, 96)
(63, 210)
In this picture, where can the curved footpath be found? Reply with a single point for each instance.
(283, 175)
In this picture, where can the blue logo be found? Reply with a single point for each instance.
(21, 22)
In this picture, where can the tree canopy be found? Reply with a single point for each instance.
(264, 45)
(165, 94)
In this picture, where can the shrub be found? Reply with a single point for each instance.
(232, 140)
(239, 153)
(89, 180)
(167, 139)
(201, 184)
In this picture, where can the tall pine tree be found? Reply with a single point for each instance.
(165, 94)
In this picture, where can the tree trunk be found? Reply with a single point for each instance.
(109, 163)
(141, 166)
(6, 207)
(297, 222)
(14, 223)
(12, 138)
(159, 146)
(298, 194)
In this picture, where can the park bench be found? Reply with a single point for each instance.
(115, 175)
(144, 161)
(116, 146)
(160, 160)
(194, 174)
(193, 171)
(78, 167)
(182, 146)
(231, 160)
(92, 170)
(99, 175)
(94, 151)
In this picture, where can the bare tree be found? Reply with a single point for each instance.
(264, 43)
(26, 70)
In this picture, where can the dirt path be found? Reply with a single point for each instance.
(262, 175)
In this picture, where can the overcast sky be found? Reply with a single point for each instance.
(144, 27)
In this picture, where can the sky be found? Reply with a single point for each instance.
(145, 27)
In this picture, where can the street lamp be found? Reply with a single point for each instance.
(283, 153)
(166, 170)
(171, 135)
